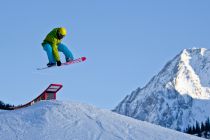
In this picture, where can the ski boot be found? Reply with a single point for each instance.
(69, 59)
(51, 64)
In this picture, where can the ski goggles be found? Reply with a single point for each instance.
(59, 35)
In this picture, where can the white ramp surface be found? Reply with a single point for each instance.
(56, 120)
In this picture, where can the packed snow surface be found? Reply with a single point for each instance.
(58, 120)
(178, 96)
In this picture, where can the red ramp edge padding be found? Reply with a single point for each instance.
(47, 94)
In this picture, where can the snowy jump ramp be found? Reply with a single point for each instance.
(48, 94)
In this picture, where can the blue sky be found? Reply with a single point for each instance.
(126, 42)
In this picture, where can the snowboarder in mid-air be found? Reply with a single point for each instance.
(52, 44)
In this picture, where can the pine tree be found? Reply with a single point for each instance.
(5, 106)
(202, 127)
(207, 125)
(201, 130)
(2, 105)
(189, 130)
(197, 128)
(193, 130)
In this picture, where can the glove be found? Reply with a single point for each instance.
(58, 63)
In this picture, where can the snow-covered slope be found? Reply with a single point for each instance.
(56, 120)
(176, 97)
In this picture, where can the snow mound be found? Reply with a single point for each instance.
(58, 120)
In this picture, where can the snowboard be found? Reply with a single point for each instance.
(78, 60)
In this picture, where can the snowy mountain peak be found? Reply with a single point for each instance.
(187, 73)
(176, 94)
(195, 51)
(193, 67)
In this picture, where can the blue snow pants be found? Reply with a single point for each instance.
(61, 48)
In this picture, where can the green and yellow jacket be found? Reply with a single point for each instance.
(52, 39)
